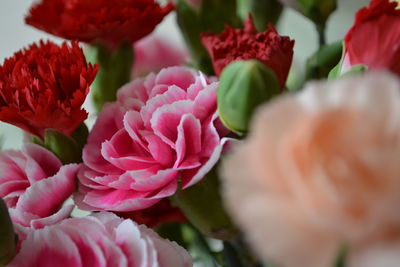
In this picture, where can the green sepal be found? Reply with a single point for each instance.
(115, 71)
(202, 205)
(67, 149)
(8, 239)
(243, 86)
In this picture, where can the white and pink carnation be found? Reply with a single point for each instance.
(162, 132)
(102, 239)
(34, 185)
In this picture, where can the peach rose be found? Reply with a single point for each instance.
(319, 170)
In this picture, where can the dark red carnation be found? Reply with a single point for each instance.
(374, 39)
(107, 21)
(160, 213)
(44, 86)
(269, 47)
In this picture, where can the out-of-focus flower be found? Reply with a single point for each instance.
(378, 26)
(161, 212)
(44, 86)
(162, 132)
(269, 47)
(34, 185)
(320, 170)
(108, 22)
(155, 53)
(102, 239)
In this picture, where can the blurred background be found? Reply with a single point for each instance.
(14, 35)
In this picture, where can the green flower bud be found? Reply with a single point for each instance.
(243, 86)
(7, 236)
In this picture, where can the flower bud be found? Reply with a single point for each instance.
(7, 236)
(243, 86)
(264, 12)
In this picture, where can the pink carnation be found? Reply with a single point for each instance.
(102, 239)
(34, 185)
(162, 131)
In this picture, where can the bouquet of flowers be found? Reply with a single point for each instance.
(211, 157)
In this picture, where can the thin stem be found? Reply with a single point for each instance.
(321, 34)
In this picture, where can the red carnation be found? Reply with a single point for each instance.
(374, 39)
(44, 86)
(107, 21)
(269, 47)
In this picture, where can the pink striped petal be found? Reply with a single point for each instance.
(173, 94)
(46, 195)
(179, 76)
(166, 119)
(189, 138)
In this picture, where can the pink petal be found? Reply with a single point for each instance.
(116, 151)
(46, 195)
(55, 218)
(207, 166)
(133, 124)
(118, 200)
(189, 138)
(172, 95)
(133, 90)
(200, 83)
(166, 119)
(205, 103)
(146, 181)
(160, 151)
(108, 122)
(93, 159)
(40, 162)
(179, 76)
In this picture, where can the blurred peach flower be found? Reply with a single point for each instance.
(319, 170)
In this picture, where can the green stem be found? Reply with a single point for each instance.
(115, 71)
(321, 34)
